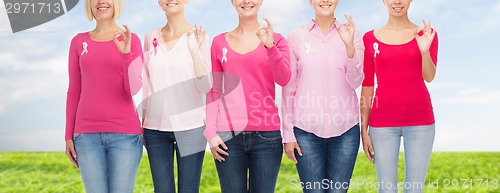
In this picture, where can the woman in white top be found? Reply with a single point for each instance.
(177, 76)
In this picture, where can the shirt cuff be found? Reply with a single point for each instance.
(272, 51)
(289, 136)
(353, 63)
(209, 133)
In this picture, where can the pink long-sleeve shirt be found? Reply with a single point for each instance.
(320, 97)
(102, 82)
(247, 101)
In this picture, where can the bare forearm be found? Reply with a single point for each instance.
(350, 50)
(428, 67)
(199, 67)
(365, 107)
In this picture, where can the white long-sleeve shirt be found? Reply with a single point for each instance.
(173, 98)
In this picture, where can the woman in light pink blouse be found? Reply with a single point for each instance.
(177, 76)
(320, 106)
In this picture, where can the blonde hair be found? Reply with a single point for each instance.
(117, 4)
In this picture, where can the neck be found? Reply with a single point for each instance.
(398, 22)
(176, 23)
(106, 26)
(247, 26)
(325, 23)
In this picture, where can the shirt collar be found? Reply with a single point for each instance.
(313, 25)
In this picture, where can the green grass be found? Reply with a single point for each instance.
(52, 172)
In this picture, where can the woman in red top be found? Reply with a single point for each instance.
(401, 55)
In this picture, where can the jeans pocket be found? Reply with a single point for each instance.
(270, 135)
(77, 136)
(225, 135)
(135, 137)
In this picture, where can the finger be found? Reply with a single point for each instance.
(347, 17)
(128, 33)
(202, 32)
(427, 26)
(349, 20)
(269, 25)
(430, 26)
(299, 151)
(73, 152)
(224, 145)
(372, 153)
(352, 23)
(217, 156)
(418, 31)
(342, 27)
(291, 156)
(221, 151)
(71, 156)
(368, 154)
(115, 38)
(261, 31)
(195, 32)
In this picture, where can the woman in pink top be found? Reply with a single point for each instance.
(103, 131)
(177, 66)
(320, 106)
(243, 126)
(402, 56)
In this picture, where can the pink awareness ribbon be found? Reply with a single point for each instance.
(155, 44)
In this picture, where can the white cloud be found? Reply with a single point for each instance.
(33, 63)
(477, 98)
(480, 137)
(46, 140)
(429, 8)
(461, 94)
(285, 15)
(479, 20)
(4, 20)
(33, 80)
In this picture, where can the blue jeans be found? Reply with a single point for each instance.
(418, 142)
(326, 164)
(108, 162)
(161, 146)
(257, 154)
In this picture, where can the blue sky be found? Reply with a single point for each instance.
(465, 92)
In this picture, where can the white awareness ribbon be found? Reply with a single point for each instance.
(376, 50)
(307, 46)
(85, 50)
(224, 55)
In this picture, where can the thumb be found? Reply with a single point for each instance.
(299, 151)
(224, 145)
(115, 39)
(73, 152)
